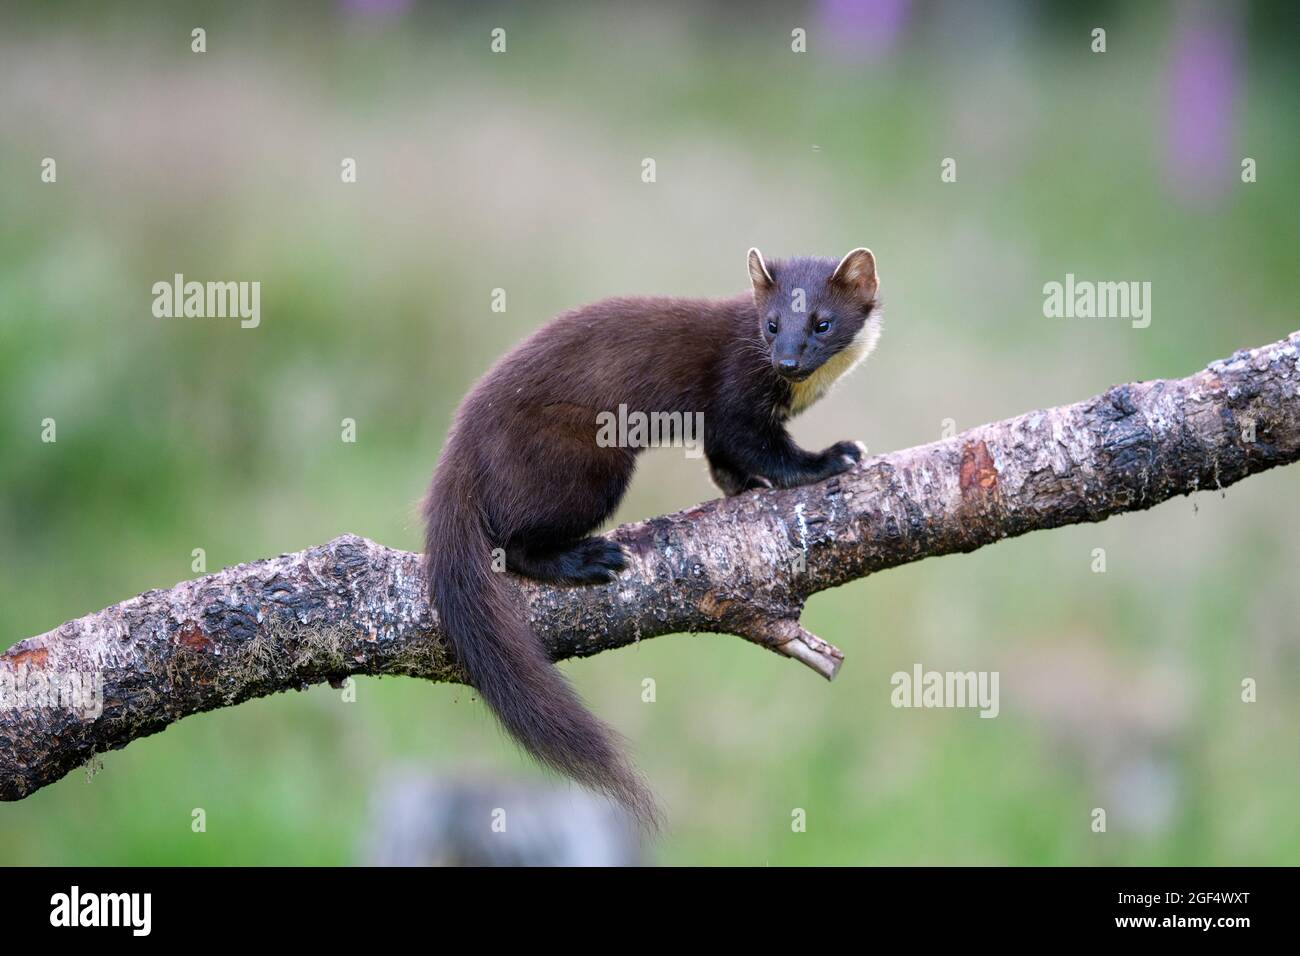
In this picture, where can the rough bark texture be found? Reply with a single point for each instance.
(743, 565)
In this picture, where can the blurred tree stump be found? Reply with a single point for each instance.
(418, 819)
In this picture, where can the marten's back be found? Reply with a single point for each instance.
(650, 354)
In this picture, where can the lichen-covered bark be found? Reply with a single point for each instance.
(742, 565)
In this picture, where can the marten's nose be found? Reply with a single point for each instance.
(788, 365)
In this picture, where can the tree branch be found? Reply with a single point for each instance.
(742, 565)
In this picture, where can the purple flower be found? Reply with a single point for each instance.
(863, 29)
(376, 7)
(1202, 80)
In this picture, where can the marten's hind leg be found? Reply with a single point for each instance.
(592, 560)
(565, 487)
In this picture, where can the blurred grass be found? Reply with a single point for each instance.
(522, 171)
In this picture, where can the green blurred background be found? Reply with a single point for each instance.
(522, 171)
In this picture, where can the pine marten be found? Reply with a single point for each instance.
(522, 469)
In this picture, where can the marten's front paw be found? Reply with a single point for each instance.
(843, 455)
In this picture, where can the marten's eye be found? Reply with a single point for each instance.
(771, 326)
(823, 325)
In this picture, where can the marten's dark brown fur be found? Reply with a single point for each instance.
(522, 469)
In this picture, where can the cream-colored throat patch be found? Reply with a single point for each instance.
(805, 393)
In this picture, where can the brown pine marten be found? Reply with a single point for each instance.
(523, 471)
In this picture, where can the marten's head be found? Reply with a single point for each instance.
(818, 319)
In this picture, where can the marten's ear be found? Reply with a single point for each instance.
(857, 273)
(758, 274)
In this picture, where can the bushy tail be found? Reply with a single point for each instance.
(507, 664)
